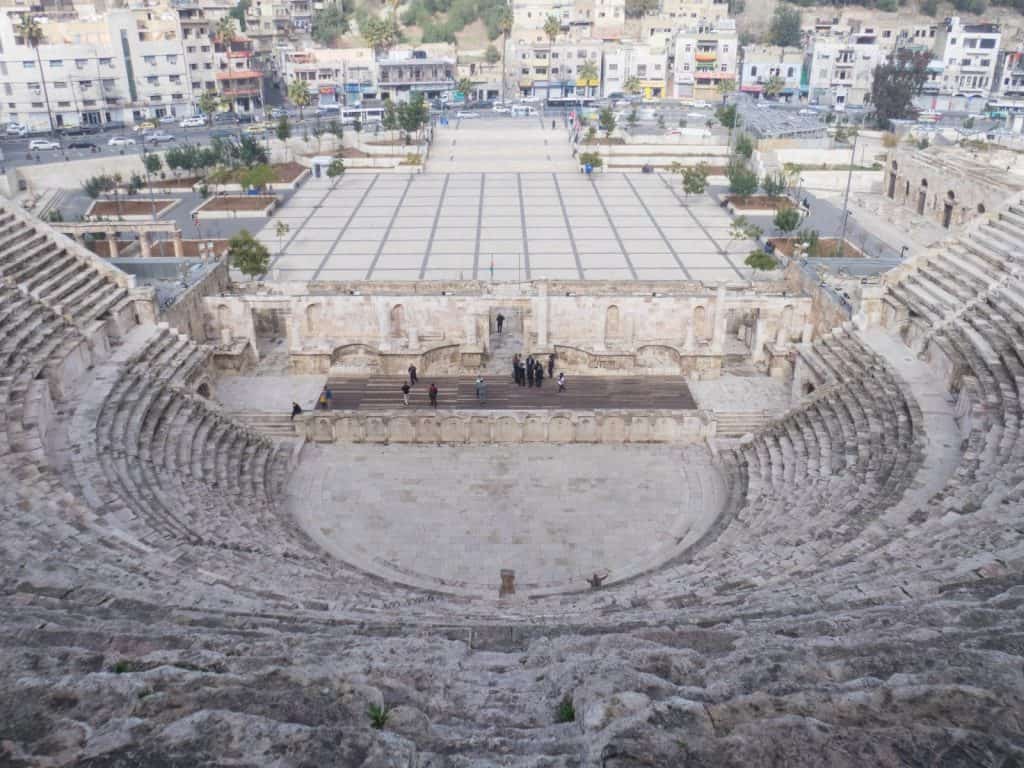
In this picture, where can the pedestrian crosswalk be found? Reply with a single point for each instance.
(582, 393)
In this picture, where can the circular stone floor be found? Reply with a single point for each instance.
(451, 517)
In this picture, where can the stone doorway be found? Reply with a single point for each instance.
(513, 323)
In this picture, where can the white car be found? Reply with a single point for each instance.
(196, 121)
(807, 111)
(157, 137)
(43, 144)
(463, 114)
(501, 109)
(763, 105)
(700, 104)
(121, 141)
(17, 129)
(696, 116)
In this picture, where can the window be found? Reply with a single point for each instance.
(789, 73)
(172, 59)
(205, 49)
(613, 67)
(37, 105)
(191, 49)
(554, 55)
(152, 80)
(63, 103)
(81, 63)
(156, 98)
(33, 86)
(524, 71)
(971, 42)
(554, 71)
(108, 82)
(56, 63)
(207, 65)
(952, 41)
(175, 79)
(106, 62)
(753, 73)
(725, 67)
(28, 64)
(988, 43)
(60, 85)
(151, 60)
(176, 96)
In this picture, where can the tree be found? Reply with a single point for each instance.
(632, 118)
(250, 152)
(258, 176)
(95, 186)
(727, 116)
(592, 159)
(298, 93)
(491, 55)
(744, 146)
(208, 102)
(724, 87)
(153, 164)
(552, 28)
(284, 129)
(504, 24)
(809, 239)
(413, 114)
(742, 229)
(786, 219)
(785, 26)
(637, 8)
(465, 86)
(329, 23)
(896, 82)
(588, 74)
(389, 121)
(660, 121)
(380, 34)
(774, 184)
(695, 179)
(742, 181)
(632, 85)
(774, 86)
(31, 32)
(606, 119)
(336, 168)
(759, 260)
(281, 229)
(226, 30)
(238, 13)
(248, 255)
(930, 7)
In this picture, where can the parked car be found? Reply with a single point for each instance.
(121, 141)
(246, 117)
(465, 114)
(278, 112)
(696, 116)
(225, 118)
(81, 144)
(38, 144)
(167, 120)
(158, 137)
(501, 109)
(700, 104)
(196, 121)
(145, 125)
(807, 111)
(222, 133)
(78, 130)
(16, 129)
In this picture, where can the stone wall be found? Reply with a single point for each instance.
(664, 328)
(483, 426)
(186, 313)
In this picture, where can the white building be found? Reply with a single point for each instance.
(761, 63)
(842, 70)
(705, 54)
(542, 69)
(648, 64)
(961, 76)
(405, 72)
(123, 67)
(334, 74)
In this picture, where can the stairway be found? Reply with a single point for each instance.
(267, 423)
(739, 423)
(503, 347)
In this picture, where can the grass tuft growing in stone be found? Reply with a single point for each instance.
(565, 712)
(379, 715)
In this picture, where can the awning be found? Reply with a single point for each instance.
(751, 88)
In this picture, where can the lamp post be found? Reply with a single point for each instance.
(846, 198)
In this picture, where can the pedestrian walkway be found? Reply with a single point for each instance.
(582, 393)
(526, 144)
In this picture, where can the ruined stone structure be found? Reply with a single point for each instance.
(856, 601)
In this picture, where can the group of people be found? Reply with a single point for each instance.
(530, 372)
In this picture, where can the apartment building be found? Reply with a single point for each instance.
(962, 74)
(239, 82)
(336, 75)
(647, 64)
(198, 20)
(548, 70)
(404, 73)
(841, 70)
(763, 63)
(126, 66)
(705, 54)
(680, 12)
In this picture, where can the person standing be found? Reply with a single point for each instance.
(405, 393)
(499, 321)
(515, 367)
(413, 378)
(529, 371)
(551, 365)
(296, 410)
(433, 395)
(522, 374)
(561, 381)
(538, 374)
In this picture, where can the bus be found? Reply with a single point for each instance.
(570, 101)
(364, 115)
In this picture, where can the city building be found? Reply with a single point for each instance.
(681, 12)
(705, 54)
(646, 63)
(554, 70)
(961, 76)
(762, 64)
(841, 70)
(403, 73)
(123, 67)
(336, 75)
(198, 22)
(239, 82)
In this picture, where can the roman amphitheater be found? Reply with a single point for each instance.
(766, 524)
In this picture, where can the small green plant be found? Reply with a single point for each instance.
(774, 184)
(379, 714)
(744, 146)
(565, 712)
(122, 667)
(786, 219)
(592, 159)
(760, 260)
(810, 239)
(591, 134)
(248, 255)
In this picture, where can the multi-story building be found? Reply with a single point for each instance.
(705, 54)
(124, 67)
(646, 63)
(763, 63)
(681, 12)
(403, 73)
(198, 22)
(336, 75)
(239, 82)
(549, 70)
(841, 70)
(1009, 77)
(961, 76)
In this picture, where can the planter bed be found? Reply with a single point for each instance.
(236, 207)
(190, 248)
(128, 210)
(757, 204)
(185, 184)
(826, 247)
(286, 176)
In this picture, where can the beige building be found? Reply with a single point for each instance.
(705, 54)
(546, 70)
(345, 74)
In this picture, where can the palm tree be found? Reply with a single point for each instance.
(298, 92)
(725, 86)
(226, 30)
(632, 85)
(380, 34)
(552, 27)
(208, 103)
(774, 86)
(505, 27)
(465, 85)
(31, 32)
(588, 74)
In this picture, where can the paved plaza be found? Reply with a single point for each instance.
(512, 226)
(456, 515)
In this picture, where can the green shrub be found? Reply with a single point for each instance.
(760, 260)
(591, 158)
(786, 219)
(565, 712)
(379, 715)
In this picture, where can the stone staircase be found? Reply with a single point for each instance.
(275, 425)
(739, 423)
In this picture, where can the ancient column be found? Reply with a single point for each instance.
(179, 246)
(112, 243)
(691, 340)
(541, 312)
(470, 329)
(757, 345)
(144, 245)
(718, 327)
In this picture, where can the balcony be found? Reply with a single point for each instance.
(706, 56)
(241, 92)
(240, 74)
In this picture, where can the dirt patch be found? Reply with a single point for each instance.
(183, 183)
(759, 202)
(127, 207)
(238, 203)
(285, 173)
(616, 140)
(190, 248)
(354, 152)
(826, 247)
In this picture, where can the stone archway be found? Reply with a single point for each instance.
(396, 322)
(612, 324)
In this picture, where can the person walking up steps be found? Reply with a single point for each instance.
(481, 391)
(296, 410)
(551, 366)
(499, 321)
(405, 393)
(433, 395)
(413, 378)
(538, 374)
(561, 381)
